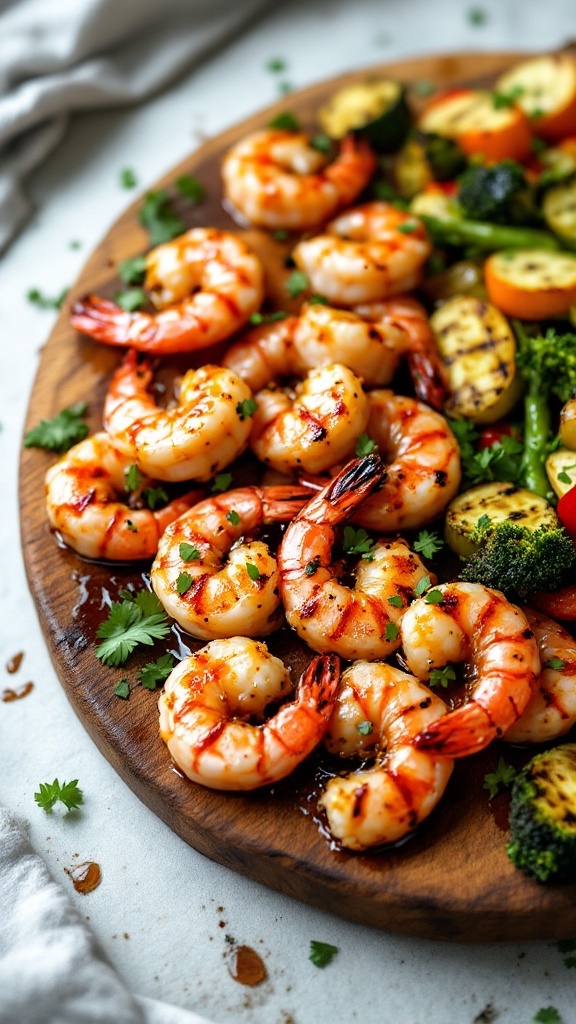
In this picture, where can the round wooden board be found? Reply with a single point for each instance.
(452, 879)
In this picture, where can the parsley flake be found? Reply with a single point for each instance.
(396, 601)
(422, 585)
(246, 408)
(131, 299)
(476, 16)
(318, 300)
(408, 227)
(428, 543)
(127, 178)
(192, 189)
(556, 664)
(442, 676)
(133, 478)
(68, 793)
(122, 689)
(188, 553)
(221, 482)
(391, 631)
(312, 567)
(296, 283)
(158, 217)
(253, 571)
(500, 100)
(267, 318)
(156, 672)
(285, 122)
(322, 143)
(138, 619)
(41, 301)
(131, 526)
(564, 475)
(60, 433)
(233, 517)
(365, 446)
(154, 496)
(275, 65)
(358, 542)
(132, 270)
(548, 1015)
(503, 775)
(434, 597)
(284, 88)
(364, 728)
(321, 953)
(183, 583)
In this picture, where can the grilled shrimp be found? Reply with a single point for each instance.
(277, 179)
(378, 712)
(195, 439)
(551, 711)
(368, 253)
(472, 623)
(206, 284)
(208, 697)
(370, 341)
(87, 502)
(358, 621)
(316, 428)
(422, 459)
(212, 576)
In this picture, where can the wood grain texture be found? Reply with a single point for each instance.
(452, 880)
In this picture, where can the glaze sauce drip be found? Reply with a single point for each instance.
(246, 966)
(13, 664)
(9, 695)
(85, 877)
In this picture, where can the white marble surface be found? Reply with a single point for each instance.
(167, 898)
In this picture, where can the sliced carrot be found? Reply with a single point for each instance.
(479, 125)
(530, 283)
(545, 88)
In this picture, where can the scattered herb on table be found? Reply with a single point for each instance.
(477, 16)
(285, 122)
(503, 775)
(42, 301)
(321, 953)
(548, 1015)
(122, 689)
(275, 65)
(127, 178)
(60, 433)
(50, 792)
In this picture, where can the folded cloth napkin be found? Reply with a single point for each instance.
(57, 56)
(51, 970)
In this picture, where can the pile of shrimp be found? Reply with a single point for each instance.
(303, 392)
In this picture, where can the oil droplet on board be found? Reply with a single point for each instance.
(246, 966)
(9, 695)
(85, 877)
(13, 664)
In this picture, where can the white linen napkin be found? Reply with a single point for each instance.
(51, 969)
(58, 56)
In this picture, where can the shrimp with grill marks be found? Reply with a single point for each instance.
(277, 179)
(467, 622)
(88, 503)
(360, 620)
(212, 575)
(378, 712)
(209, 696)
(205, 284)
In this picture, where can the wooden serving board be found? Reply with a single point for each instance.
(452, 879)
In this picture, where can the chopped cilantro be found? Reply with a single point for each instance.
(476, 16)
(127, 178)
(132, 270)
(434, 597)
(365, 446)
(500, 100)
(253, 571)
(442, 676)
(183, 583)
(191, 188)
(133, 478)
(312, 567)
(246, 408)
(275, 65)
(154, 496)
(158, 217)
(233, 517)
(422, 585)
(284, 88)
(396, 601)
(564, 475)
(37, 298)
(280, 235)
(296, 283)
(428, 543)
(60, 433)
(358, 542)
(321, 953)
(267, 318)
(407, 227)
(556, 664)
(391, 631)
(364, 728)
(548, 1015)
(131, 299)
(138, 619)
(322, 142)
(285, 122)
(318, 300)
(188, 553)
(221, 482)
(75, 244)
(156, 671)
(68, 793)
(503, 775)
(122, 689)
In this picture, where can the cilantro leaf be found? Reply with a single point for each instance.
(275, 65)
(183, 583)
(321, 953)
(133, 478)
(391, 631)
(221, 482)
(129, 623)
(50, 792)
(365, 446)
(364, 728)
(422, 585)
(60, 433)
(476, 16)
(187, 552)
(428, 543)
(285, 122)
(191, 188)
(132, 270)
(127, 178)
(246, 408)
(503, 775)
(434, 597)
(122, 689)
(296, 283)
(548, 1015)
(267, 318)
(131, 299)
(233, 517)
(442, 676)
(396, 601)
(154, 496)
(158, 217)
(253, 571)
(500, 100)
(554, 663)
(358, 542)
(41, 301)
(156, 671)
(322, 143)
(312, 567)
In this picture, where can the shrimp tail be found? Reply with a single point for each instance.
(102, 319)
(427, 378)
(355, 482)
(459, 733)
(319, 683)
(280, 504)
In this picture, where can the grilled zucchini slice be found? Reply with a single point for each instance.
(478, 349)
(499, 501)
(376, 108)
(543, 816)
(559, 209)
(545, 88)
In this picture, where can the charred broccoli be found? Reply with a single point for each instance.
(543, 816)
(517, 560)
(499, 194)
(426, 157)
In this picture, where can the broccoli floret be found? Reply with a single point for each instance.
(548, 364)
(426, 157)
(518, 561)
(543, 816)
(499, 193)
